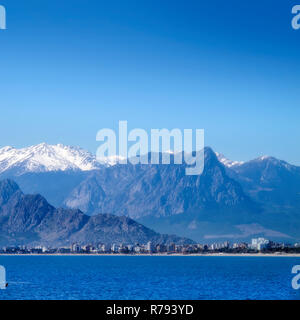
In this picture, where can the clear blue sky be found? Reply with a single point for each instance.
(69, 68)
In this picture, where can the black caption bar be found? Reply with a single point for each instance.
(146, 309)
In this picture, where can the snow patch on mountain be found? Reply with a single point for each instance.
(226, 162)
(110, 161)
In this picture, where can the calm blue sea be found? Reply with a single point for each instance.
(115, 277)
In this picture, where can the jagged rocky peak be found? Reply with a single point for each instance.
(7, 189)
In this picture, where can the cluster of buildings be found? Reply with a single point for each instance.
(256, 245)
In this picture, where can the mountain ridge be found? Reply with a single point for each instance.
(262, 193)
(30, 219)
(172, 192)
(46, 158)
(61, 157)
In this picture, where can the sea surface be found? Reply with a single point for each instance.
(148, 277)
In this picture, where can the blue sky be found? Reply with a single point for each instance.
(71, 68)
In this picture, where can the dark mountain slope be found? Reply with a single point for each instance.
(29, 219)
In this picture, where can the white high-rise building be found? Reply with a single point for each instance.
(259, 244)
(150, 247)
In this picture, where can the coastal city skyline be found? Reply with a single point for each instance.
(257, 245)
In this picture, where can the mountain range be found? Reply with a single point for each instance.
(230, 200)
(30, 219)
(45, 158)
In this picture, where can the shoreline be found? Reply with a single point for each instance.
(287, 255)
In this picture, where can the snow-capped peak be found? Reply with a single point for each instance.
(275, 162)
(265, 157)
(46, 158)
(228, 163)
